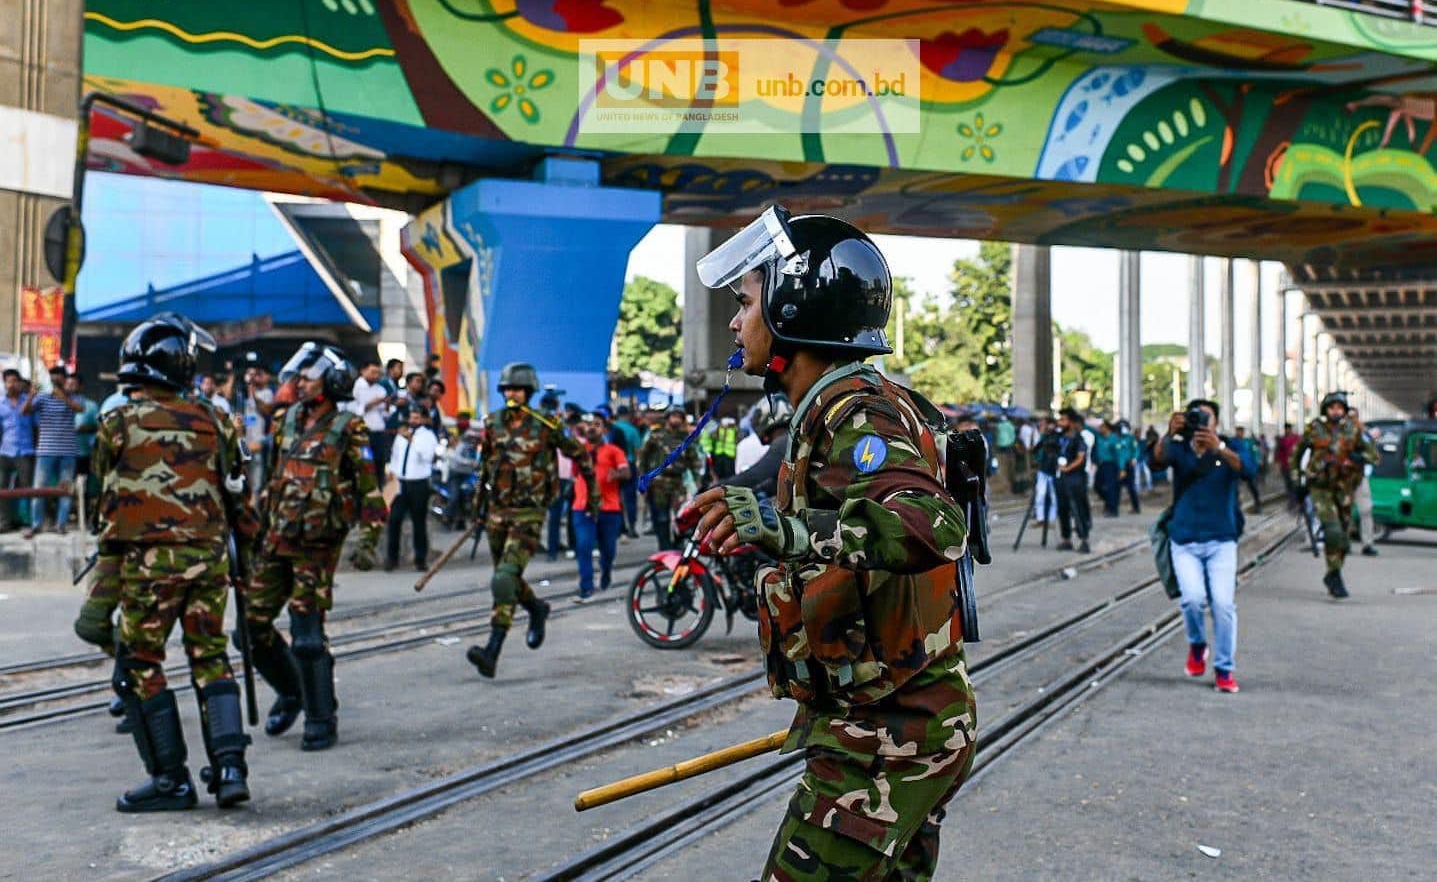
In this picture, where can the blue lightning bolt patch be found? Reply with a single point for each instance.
(870, 453)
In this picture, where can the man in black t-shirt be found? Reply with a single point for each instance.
(1072, 481)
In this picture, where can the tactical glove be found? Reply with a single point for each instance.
(93, 625)
(783, 536)
(366, 554)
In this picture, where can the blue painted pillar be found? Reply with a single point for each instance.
(550, 257)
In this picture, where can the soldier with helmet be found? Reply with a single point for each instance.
(1327, 464)
(666, 491)
(519, 478)
(172, 493)
(322, 482)
(859, 621)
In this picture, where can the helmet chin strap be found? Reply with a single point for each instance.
(780, 356)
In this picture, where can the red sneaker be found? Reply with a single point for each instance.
(1197, 660)
(1225, 682)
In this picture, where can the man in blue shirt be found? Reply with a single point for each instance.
(17, 446)
(1207, 469)
(57, 447)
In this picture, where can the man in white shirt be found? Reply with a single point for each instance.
(371, 402)
(411, 462)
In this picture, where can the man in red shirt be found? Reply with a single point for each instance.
(611, 469)
(1285, 445)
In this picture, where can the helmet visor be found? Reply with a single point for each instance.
(764, 240)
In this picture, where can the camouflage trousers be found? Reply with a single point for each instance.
(513, 539)
(306, 582)
(1334, 510)
(159, 585)
(875, 784)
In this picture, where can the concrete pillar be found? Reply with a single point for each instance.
(1227, 385)
(1300, 365)
(1033, 360)
(1197, 325)
(1130, 341)
(1255, 348)
(1280, 411)
(707, 340)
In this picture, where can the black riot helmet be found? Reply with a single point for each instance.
(164, 350)
(519, 375)
(1334, 398)
(825, 284)
(321, 361)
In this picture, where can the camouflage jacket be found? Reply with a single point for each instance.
(322, 482)
(1337, 455)
(162, 463)
(876, 601)
(657, 446)
(518, 458)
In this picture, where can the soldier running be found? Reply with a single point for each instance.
(322, 482)
(666, 491)
(519, 477)
(859, 623)
(1339, 447)
(167, 508)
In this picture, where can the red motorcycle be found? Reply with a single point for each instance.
(673, 597)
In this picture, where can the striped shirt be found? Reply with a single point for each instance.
(57, 427)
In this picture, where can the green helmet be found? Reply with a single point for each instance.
(519, 375)
(1334, 398)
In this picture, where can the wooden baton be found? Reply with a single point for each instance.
(444, 558)
(671, 774)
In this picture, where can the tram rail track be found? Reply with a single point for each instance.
(427, 629)
(640, 847)
(368, 821)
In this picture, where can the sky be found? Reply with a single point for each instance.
(1084, 288)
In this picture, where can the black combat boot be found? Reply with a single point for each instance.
(1333, 581)
(277, 665)
(161, 743)
(538, 614)
(126, 724)
(225, 742)
(316, 676)
(487, 659)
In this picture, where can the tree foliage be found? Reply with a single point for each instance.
(958, 347)
(649, 335)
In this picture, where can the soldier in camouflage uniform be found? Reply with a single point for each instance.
(859, 622)
(172, 493)
(1327, 463)
(322, 482)
(666, 491)
(519, 478)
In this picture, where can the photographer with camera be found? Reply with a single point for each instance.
(1203, 531)
(1074, 514)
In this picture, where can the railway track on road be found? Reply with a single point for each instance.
(631, 850)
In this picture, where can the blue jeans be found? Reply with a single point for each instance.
(558, 517)
(49, 471)
(1207, 574)
(629, 492)
(605, 533)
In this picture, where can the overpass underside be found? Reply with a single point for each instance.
(1280, 129)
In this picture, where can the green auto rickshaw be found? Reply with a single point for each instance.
(1404, 481)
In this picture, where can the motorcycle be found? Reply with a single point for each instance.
(440, 497)
(674, 596)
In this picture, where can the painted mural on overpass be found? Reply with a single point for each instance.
(1254, 104)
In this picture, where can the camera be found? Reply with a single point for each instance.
(1195, 418)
